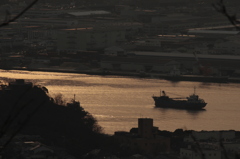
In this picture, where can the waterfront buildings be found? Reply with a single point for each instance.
(144, 139)
(165, 62)
(211, 144)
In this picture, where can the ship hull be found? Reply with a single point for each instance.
(178, 104)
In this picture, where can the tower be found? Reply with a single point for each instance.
(145, 127)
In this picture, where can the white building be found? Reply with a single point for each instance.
(212, 33)
(211, 135)
(188, 153)
(48, 22)
(89, 13)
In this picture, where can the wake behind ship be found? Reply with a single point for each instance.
(193, 102)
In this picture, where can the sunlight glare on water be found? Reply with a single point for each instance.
(117, 102)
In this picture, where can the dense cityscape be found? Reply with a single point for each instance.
(163, 39)
(173, 40)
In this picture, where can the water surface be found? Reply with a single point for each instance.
(117, 102)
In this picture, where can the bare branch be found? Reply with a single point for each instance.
(11, 117)
(221, 8)
(23, 123)
(20, 14)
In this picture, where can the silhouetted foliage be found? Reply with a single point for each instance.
(178, 132)
(58, 99)
(30, 110)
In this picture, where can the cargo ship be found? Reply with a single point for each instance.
(193, 102)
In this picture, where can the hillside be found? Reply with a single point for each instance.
(28, 109)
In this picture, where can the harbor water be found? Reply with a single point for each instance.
(117, 102)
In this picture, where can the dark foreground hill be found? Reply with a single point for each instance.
(28, 109)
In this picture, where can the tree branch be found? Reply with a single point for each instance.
(20, 14)
(221, 8)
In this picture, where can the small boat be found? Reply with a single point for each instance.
(193, 102)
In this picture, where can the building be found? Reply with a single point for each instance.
(200, 153)
(146, 140)
(230, 47)
(20, 84)
(211, 145)
(212, 33)
(49, 22)
(211, 136)
(76, 39)
(114, 51)
(42, 13)
(232, 148)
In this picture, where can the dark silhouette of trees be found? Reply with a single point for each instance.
(58, 99)
(30, 110)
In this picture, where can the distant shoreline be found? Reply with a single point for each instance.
(193, 78)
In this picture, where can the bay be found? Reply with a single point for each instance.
(117, 102)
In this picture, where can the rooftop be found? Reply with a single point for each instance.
(86, 13)
(214, 32)
(206, 56)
